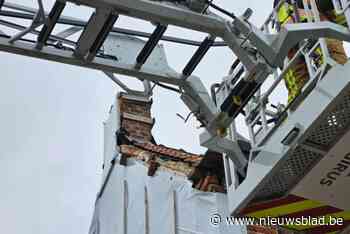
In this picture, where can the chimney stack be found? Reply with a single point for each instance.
(136, 119)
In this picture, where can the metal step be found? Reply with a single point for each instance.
(99, 25)
(1, 3)
(150, 45)
(51, 21)
(198, 56)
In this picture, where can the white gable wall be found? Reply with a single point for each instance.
(173, 206)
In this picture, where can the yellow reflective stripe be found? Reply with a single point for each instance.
(318, 51)
(286, 209)
(284, 13)
(292, 85)
(237, 100)
(303, 18)
(340, 19)
(290, 78)
(344, 214)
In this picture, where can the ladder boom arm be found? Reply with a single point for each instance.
(162, 13)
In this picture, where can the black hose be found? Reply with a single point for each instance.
(213, 91)
(222, 10)
(167, 87)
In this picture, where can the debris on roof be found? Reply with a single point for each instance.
(164, 161)
(209, 174)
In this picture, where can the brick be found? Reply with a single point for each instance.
(138, 129)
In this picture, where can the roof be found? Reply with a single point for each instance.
(160, 159)
(174, 154)
(205, 171)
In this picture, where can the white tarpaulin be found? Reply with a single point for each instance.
(172, 206)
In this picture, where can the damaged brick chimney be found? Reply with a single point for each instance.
(136, 119)
(136, 141)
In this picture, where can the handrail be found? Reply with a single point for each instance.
(307, 48)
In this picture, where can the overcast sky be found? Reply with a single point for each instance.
(51, 134)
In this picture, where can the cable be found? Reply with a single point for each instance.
(206, 8)
(187, 117)
(167, 87)
(220, 9)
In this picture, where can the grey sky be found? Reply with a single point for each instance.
(51, 130)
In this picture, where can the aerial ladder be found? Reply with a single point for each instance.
(299, 149)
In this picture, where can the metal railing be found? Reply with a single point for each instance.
(342, 7)
(261, 117)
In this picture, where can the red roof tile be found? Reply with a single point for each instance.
(170, 152)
